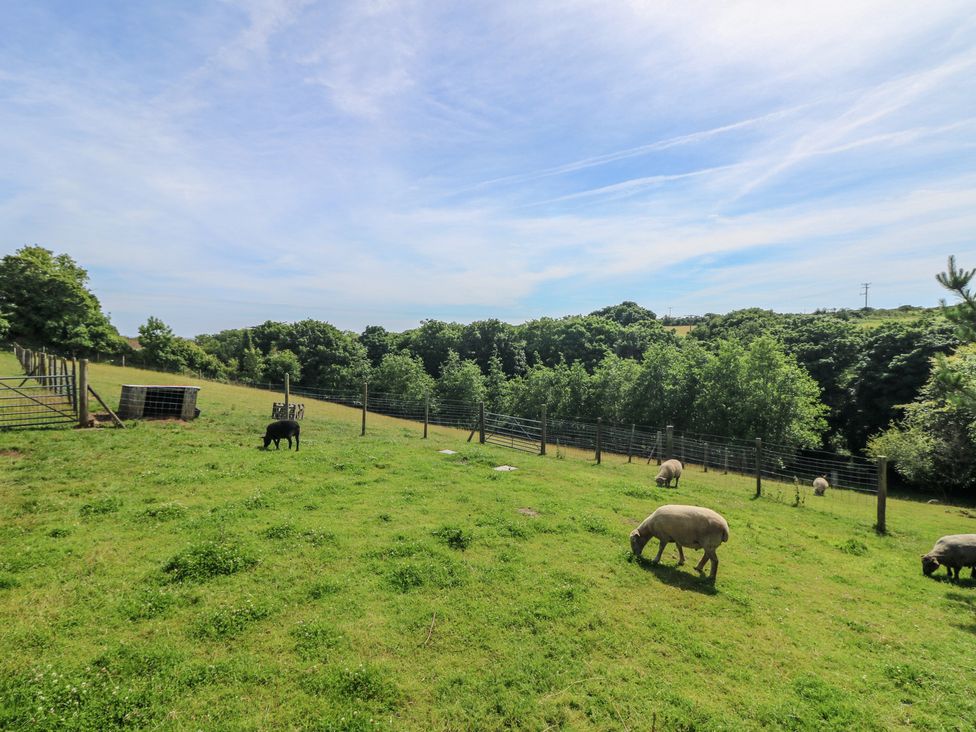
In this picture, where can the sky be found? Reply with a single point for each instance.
(219, 164)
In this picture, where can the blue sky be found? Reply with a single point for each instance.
(220, 164)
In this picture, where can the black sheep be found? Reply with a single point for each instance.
(282, 429)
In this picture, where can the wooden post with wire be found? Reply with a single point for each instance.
(426, 413)
(481, 422)
(83, 417)
(881, 525)
(365, 399)
(599, 439)
(759, 460)
(668, 442)
(544, 432)
(630, 445)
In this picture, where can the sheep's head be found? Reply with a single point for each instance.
(659, 480)
(929, 564)
(637, 542)
(267, 440)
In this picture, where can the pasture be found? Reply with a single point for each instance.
(174, 576)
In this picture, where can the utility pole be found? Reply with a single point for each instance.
(865, 285)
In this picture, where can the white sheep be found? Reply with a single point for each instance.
(953, 552)
(820, 485)
(669, 469)
(687, 526)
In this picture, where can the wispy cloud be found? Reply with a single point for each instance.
(381, 161)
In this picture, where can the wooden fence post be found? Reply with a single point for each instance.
(287, 394)
(481, 423)
(83, 393)
(545, 429)
(657, 448)
(759, 459)
(882, 526)
(630, 445)
(726, 469)
(599, 439)
(365, 399)
(426, 413)
(668, 442)
(705, 455)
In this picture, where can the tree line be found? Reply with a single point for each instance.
(820, 380)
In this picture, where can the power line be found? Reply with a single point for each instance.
(865, 285)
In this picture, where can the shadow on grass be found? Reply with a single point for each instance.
(679, 577)
(965, 601)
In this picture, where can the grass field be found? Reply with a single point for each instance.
(175, 576)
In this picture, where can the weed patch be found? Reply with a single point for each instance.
(855, 547)
(365, 683)
(311, 639)
(454, 537)
(209, 559)
(229, 621)
(100, 507)
(164, 512)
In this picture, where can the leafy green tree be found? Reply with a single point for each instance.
(626, 313)
(46, 302)
(403, 375)
(378, 342)
(484, 339)
(279, 363)
(934, 445)
(432, 341)
(758, 390)
(664, 389)
(891, 369)
(963, 317)
(633, 340)
(460, 381)
(563, 388)
(610, 389)
(251, 365)
(330, 358)
(743, 325)
(496, 386)
(160, 347)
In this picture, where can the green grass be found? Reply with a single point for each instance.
(175, 576)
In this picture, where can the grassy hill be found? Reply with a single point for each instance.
(175, 576)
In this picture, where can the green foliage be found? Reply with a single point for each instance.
(454, 537)
(432, 342)
(208, 559)
(460, 381)
(229, 621)
(757, 390)
(162, 349)
(934, 445)
(963, 317)
(45, 301)
(403, 375)
(626, 313)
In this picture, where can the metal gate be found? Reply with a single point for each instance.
(518, 433)
(33, 401)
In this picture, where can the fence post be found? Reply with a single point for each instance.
(759, 458)
(365, 398)
(668, 442)
(882, 494)
(287, 394)
(681, 450)
(705, 455)
(426, 412)
(657, 448)
(726, 469)
(630, 445)
(599, 439)
(545, 429)
(481, 422)
(123, 360)
(83, 393)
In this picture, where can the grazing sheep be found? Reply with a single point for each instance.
(820, 485)
(669, 469)
(953, 552)
(687, 526)
(280, 430)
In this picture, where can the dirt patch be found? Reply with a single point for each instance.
(528, 512)
(12, 454)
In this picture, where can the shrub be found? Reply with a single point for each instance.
(454, 537)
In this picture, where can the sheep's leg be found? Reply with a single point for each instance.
(710, 554)
(277, 443)
(289, 442)
(677, 478)
(681, 555)
(660, 551)
(296, 442)
(701, 564)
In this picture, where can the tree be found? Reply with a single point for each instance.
(432, 341)
(758, 391)
(159, 345)
(496, 385)
(664, 390)
(963, 317)
(330, 358)
(610, 389)
(934, 444)
(460, 381)
(378, 342)
(46, 302)
(279, 363)
(402, 375)
(626, 313)
(563, 388)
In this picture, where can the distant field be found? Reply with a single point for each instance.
(175, 576)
